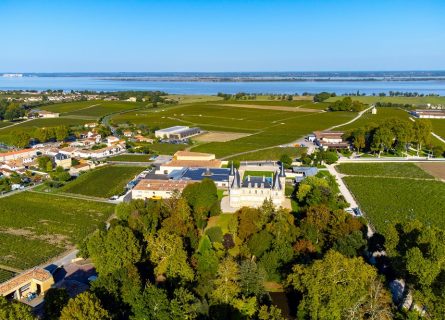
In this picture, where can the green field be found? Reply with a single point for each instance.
(400, 100)
(268, 127)
(5, 275)
(36, 227)
(383, 114)
(6, 133)
(394, 192)
(270, 154)
(70, 106)
(4, 124)
(103, 182)
(399, 170)
(294, 103)
(131, 158)
(103, 108)
(439, 127)
(192, 98)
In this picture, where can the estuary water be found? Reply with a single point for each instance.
(209, 87)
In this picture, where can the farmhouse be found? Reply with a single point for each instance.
(330, 139)
(101, 153)
(20, 154)
(36, 281)
(251, 191)
(140, 138)
(157, 189)
(187, 159)
(429, 114)
(47, 114)
(112, 140)
(177, 132)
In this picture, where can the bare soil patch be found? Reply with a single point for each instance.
(279, 108)
(435, 169)
(219, 136)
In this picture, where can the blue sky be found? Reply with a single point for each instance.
(57, 36)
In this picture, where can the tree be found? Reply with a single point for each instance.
(153, 303)
(260, 242)
(252, 279)
(55, 300)
(248, 222)
(21, 139)
(184, 305)
(114, 249)
(382, 139)
(286, 160)
(359, 140)
(333, 286)
(61, 133)
(422, 132)
(168, 255)
(14, 310)
(226, 284)
(84, 306)
(270, 313)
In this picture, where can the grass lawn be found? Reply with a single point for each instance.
(407, 170)
(103, 182)
(4, 124)
(36, 227)
(131, 158)
(258, 173)
(270, 154)
(221, 221)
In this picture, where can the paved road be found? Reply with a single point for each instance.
(15, 124)
(353, 120)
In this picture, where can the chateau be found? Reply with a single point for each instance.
(251, 191)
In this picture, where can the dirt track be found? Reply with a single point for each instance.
(435, 169)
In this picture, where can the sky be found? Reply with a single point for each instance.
(207, 35)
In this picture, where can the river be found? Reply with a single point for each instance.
(208, 87)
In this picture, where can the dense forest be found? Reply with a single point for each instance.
(181, 258)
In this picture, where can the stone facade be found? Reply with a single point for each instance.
(252, 191)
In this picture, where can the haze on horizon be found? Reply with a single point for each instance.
(211, 36)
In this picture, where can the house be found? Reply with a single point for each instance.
(177, 132)
(251, 191)
(69, 151)
(140, 138)
(330, 139)
(131, 99)
(90, 125)
(157, 189)
(187, 159)
(311, 137)
(82, 167)
(47, 114)
(101, 153)
(374, 110)
(127, 133)
(429, 114)
(112, 140)
(62, 160)
(36, 281)
(219, 175)
(303, 172)
(19, 154)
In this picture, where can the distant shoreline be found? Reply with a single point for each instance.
(263, 79)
